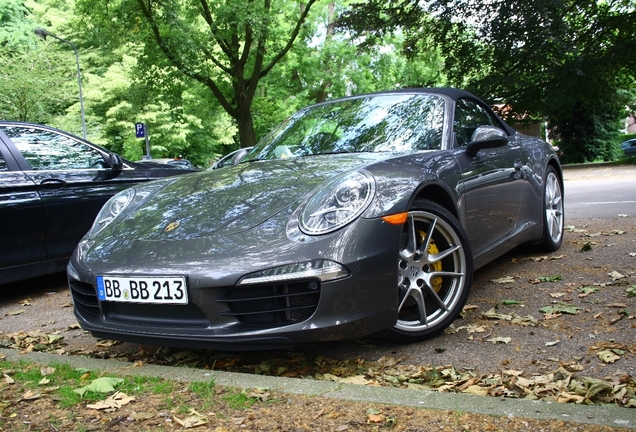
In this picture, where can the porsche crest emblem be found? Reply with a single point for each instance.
(171, 226)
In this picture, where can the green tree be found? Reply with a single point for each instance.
(564, 60)
(27, 85)
(33, 79)
(15, 26)
(227, 46)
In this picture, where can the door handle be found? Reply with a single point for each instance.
(52, 183)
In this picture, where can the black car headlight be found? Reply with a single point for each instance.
(338, 203)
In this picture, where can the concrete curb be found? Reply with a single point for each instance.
(611, 416)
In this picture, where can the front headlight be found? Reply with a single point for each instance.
(113, 207)
(338, 203)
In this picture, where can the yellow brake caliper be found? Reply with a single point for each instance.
(432, 249)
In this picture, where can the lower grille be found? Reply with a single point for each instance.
(273, 304)
(84, 297)
(156, 314)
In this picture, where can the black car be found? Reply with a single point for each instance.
(359, 216)
(629, 147)
(52, 185)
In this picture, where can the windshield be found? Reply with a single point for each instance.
(379, 123)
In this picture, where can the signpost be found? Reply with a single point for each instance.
(140, 132)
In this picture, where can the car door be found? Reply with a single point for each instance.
(73, 179)
(22, 227)
(491, 182)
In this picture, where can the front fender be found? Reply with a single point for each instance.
(399, 181)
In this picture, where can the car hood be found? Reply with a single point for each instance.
(233, 199)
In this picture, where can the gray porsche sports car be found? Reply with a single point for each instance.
(359, 216)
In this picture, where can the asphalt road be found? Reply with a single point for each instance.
(600, 192)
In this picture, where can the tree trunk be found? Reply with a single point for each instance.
(247, 136)
(243, 112)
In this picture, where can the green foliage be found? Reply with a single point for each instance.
(30, 82)
(567, 61)
(225, 46)
(15, 25)
(193, 92)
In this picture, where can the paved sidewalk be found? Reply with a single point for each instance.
(611, 416)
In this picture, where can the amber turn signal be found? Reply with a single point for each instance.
(396, 219)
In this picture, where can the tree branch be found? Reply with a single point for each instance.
(223, 43)
(291, 41)
(176, 61)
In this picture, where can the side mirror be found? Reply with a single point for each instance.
(240, 155)
(486, 137)
(116, 163)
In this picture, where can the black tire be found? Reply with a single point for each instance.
(435, 269)
(553, 216)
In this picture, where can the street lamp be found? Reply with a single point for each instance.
(43, 34)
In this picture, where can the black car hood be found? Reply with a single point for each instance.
(233, 199)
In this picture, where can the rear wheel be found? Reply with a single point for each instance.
(553, 219)
(434, 273)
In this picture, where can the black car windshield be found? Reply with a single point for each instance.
(398, 122)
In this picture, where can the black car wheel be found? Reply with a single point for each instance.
(434, 273)
(553, 218)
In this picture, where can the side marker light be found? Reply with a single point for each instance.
(396, 219)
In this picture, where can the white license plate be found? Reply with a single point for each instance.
(151, 289)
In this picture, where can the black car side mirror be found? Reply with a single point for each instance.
(116, 162)
(486, 137)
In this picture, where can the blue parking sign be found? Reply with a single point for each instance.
(140, 130)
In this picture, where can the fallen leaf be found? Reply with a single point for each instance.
(195, 419)
(511, 302)
(474, 328)
(44, 381)
(587, 246)
(560, 308)
(8, 379)
(15, 312)
(565, 397)
(477, 390)
(608, 356)
(616, 275)
(141, 416)
(101, 385)
(31, 395)
(503, 280)
(113, 402)
(539, 258)
(375, 418)
(107, 343)
(557, 295)
(46, 370)
(527, 320)
(498, 340)
(493, 314)
(595, 386)
(550, 278)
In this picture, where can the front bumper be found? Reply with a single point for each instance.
(223, 315)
